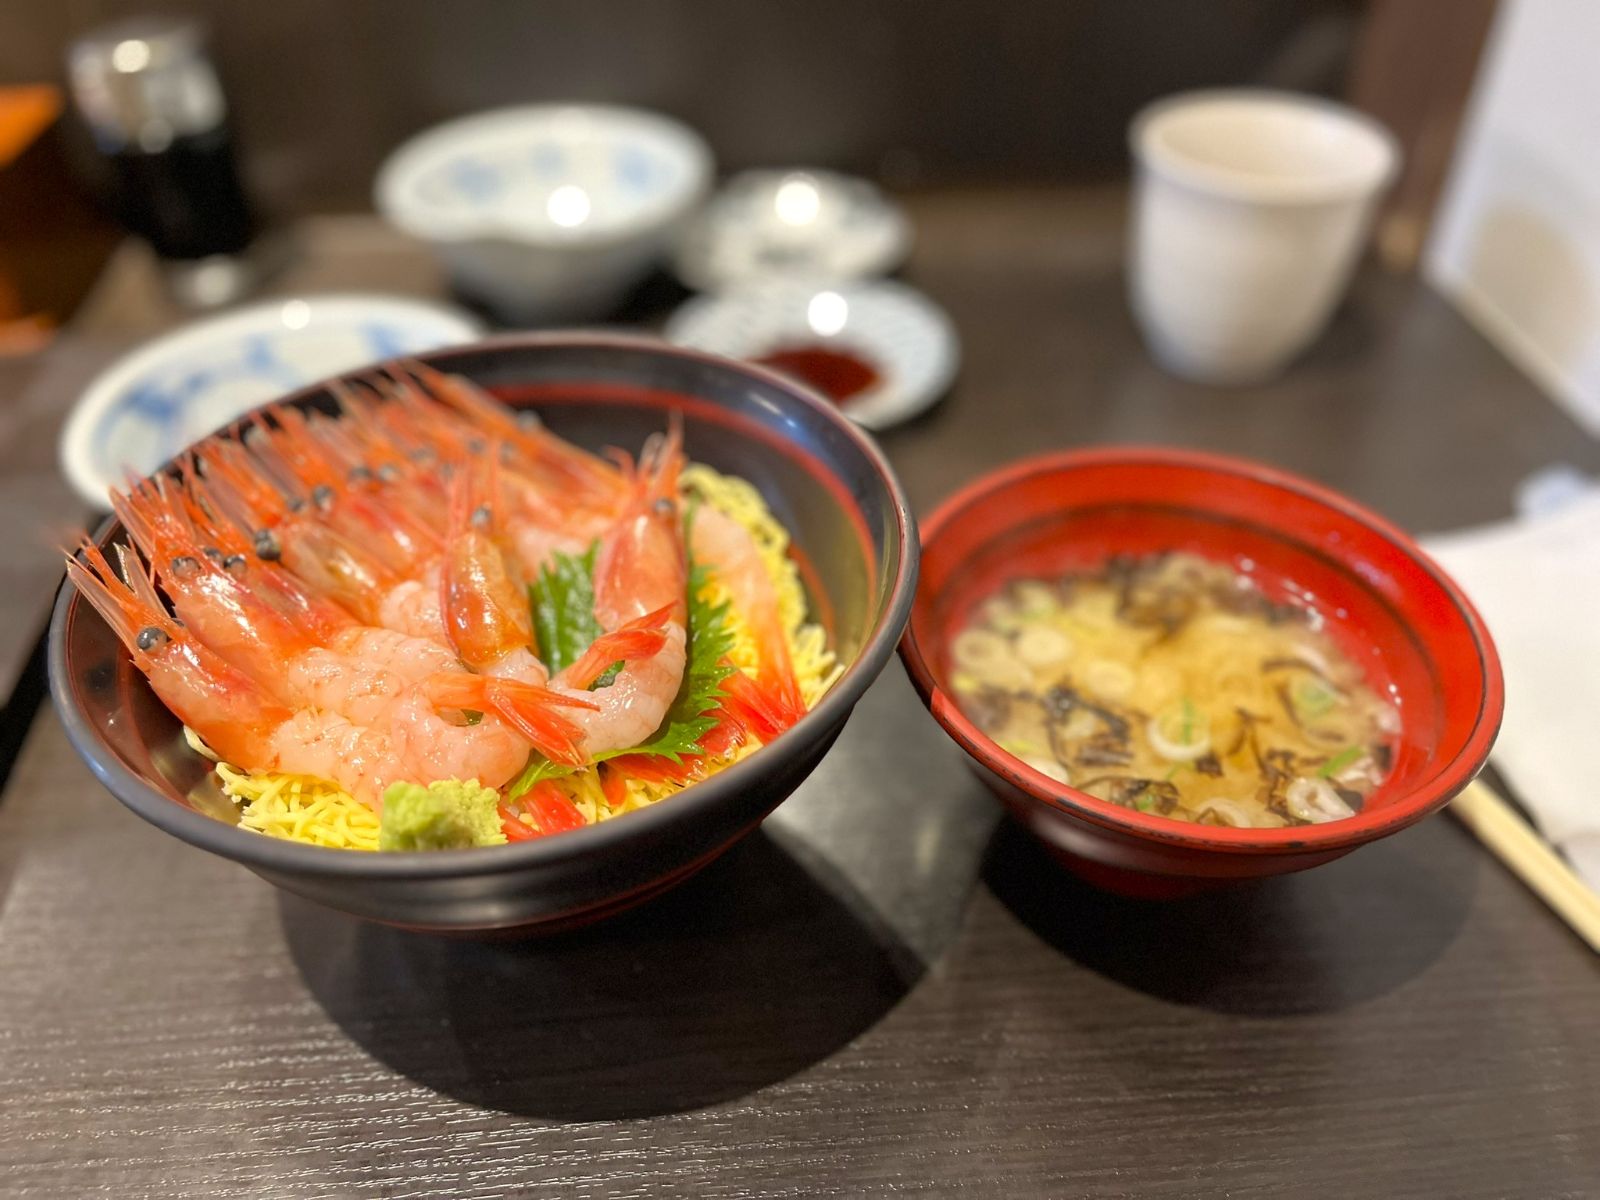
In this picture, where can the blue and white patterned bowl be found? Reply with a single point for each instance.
(151, 404)
(547, 212)
(905, 337)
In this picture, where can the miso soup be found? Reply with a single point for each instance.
(1172, 685)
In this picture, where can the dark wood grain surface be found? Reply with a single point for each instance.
(888, 990)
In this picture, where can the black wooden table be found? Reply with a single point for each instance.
(888, 989)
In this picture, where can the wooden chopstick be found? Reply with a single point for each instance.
(1516, 843)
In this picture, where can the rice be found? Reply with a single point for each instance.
(320, 812)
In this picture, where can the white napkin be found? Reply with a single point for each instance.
(1536, 580)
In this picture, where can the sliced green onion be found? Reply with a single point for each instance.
(1313, 698)
(1340, 761)
(1180, 736)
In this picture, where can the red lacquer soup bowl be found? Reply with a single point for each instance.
(1385, 603)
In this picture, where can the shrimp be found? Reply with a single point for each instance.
(235, 716)
(369, 448)
(306, 471)
(329, 562)
(485, 611)
(213, 601)
(727, 548)
(641, 588)
(226, 544)
(542, 515)
(369, 675)
(412, 607)
(535, 537)
(408, 433)
(564, 470)
(327, 559)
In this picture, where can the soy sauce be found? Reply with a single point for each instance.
(185, 199)
(837, 374)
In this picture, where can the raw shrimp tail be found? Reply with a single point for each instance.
(730, 732)
(780, 688)
(760, 706)
(639, 638)
(527, 708)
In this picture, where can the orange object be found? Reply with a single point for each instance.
(25, 113)
(53, 241)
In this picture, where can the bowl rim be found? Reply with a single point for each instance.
(295, 858)
(101, 392)
(1151, 151)
(393, 198)
(1304, 839)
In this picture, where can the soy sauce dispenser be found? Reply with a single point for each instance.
(155, 109)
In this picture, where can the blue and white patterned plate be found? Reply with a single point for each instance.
(151, 404)
(906, 338)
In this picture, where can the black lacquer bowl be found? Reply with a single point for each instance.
(854, 539)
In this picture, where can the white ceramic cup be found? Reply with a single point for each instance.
(1250, 211)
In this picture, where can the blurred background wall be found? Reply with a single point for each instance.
(913, 92)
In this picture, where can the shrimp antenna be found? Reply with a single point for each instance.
(138, 577)
(129, 616)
